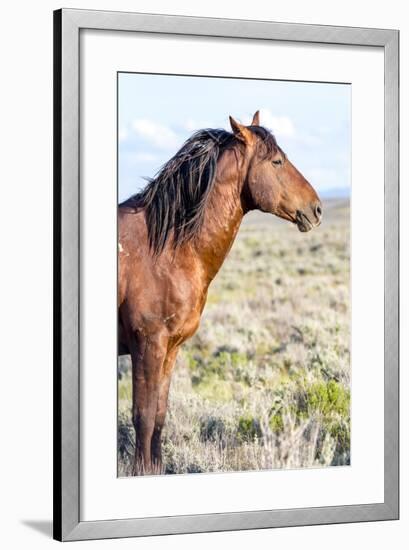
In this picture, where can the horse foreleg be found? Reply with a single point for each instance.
(148, 356)
(168, 365)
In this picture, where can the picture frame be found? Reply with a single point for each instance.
(68, 24)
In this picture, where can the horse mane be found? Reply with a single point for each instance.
(175, 199)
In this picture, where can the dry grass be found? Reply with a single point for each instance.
(265, 382)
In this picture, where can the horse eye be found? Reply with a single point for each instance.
(277, 162)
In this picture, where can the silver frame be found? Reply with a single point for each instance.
(67, 26)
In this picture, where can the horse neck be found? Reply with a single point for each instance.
(223, 215)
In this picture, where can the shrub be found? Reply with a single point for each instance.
(248, 429)
(265, 381)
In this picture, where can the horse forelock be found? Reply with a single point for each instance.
(267, 141)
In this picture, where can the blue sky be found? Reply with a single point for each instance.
(157, 113)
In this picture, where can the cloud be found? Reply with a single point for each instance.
(309, 140)
(156, 134)
(284, 128)
(281, 126)
(144, 157)
(191, 125)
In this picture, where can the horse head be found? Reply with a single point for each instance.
(273, 184)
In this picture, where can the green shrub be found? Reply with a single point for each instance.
(249, 429)
(276, 423)
(328, 398)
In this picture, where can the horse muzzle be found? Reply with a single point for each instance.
(312, 217)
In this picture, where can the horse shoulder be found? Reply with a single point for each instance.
(181, 284)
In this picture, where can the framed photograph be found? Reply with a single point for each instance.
(226, 274)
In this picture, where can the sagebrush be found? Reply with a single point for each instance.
(265, 382)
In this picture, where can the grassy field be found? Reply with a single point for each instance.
(265, 382)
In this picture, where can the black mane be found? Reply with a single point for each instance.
(175, 199)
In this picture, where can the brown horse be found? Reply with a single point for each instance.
(173, 238)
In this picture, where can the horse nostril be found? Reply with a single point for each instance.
(318, 211)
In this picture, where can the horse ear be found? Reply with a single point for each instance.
(240, 131)
(256, 119)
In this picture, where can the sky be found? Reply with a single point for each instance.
(157, 113)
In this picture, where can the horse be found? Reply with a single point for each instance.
(174, 236)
